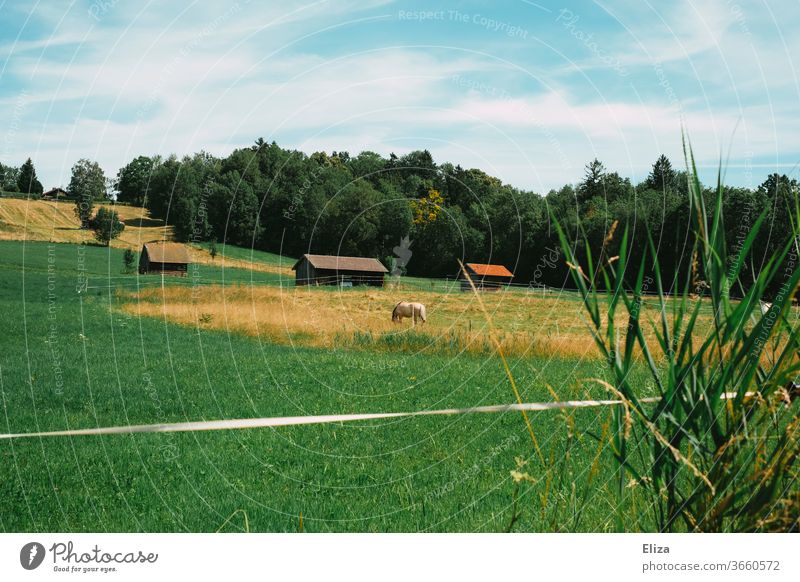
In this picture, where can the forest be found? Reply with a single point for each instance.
(285, 201)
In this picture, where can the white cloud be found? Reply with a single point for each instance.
(216, 78)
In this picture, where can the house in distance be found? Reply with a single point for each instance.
(54, 194)
(485, 277)
(165, 258)
(343, 271)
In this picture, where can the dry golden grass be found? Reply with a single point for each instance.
(530, 325)
(51, 221)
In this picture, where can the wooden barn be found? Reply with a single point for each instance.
(166, 258)
(54, 194)
(333, 270)
(485, 277)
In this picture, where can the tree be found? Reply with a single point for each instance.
(133, 180)
(427, 208)
(88, 183)
(184, 213)
(234, 210)
(444, 240)
(592, 184)
(662, 176)
(8, 178)
(778, 194)
(27, 183)
(778, 187)
(367, 165)
(129, 258)
(106, 225)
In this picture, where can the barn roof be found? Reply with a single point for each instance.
(166, 252)
(337, 263)
(482, 270)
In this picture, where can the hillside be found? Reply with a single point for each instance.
(51, 221)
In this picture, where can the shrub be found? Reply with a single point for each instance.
(106, 225)
(129, 258)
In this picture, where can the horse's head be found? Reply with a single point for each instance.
(395, 316)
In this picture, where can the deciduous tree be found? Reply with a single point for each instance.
(106, 225)
(87, 185)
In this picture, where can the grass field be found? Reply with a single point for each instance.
(74, 359)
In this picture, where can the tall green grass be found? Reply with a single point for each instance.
(718, 451)
(70, 359)
(450, 342)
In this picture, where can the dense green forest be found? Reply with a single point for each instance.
(285, 201)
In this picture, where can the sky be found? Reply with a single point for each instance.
(527, 91)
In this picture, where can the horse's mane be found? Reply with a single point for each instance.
(394, 311)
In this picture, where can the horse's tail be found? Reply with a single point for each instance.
(422, 313)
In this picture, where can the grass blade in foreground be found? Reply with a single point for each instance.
(708, 464)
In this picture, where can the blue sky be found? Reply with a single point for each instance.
(528, 91)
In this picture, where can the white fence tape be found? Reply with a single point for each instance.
(323, 419)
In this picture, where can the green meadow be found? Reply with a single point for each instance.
(69, 360)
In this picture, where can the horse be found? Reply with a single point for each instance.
(413, 310)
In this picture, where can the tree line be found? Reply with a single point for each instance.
(285, 201)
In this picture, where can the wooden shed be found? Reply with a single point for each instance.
(485, 277)
(333, 270)
(166, 258)
(54, 194)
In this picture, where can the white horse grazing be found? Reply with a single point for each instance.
(764, 307)
(405, 309)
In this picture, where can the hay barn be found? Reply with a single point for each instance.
(485, 277)
(54, 194)
(166, 258)
(344, 271)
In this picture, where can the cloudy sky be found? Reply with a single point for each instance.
(528, 91)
